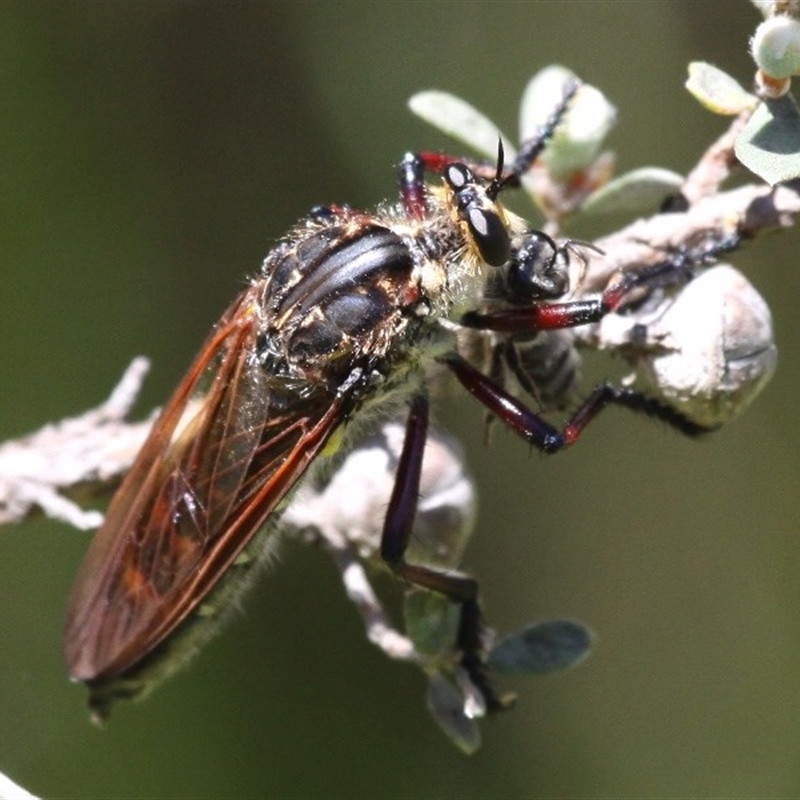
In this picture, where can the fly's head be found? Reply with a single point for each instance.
(491, 251)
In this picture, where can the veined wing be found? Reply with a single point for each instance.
(219, 459)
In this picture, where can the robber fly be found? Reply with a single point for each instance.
(350, 313)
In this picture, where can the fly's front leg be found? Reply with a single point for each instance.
(394, 543)
(554, 316)
(540, 315)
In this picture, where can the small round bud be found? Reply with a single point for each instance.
(716, 348)
(775, 47)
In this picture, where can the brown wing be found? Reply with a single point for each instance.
(218, 461)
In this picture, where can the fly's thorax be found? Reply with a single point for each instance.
(339, 295)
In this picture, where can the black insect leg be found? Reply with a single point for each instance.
(540, 433)
(530, 150)
(396, 533)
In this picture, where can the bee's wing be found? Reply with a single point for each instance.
(218, 461)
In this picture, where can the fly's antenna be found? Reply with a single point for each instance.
(498, 182)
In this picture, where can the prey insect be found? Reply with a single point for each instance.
(345, 322)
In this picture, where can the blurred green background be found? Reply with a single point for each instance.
(149, 155)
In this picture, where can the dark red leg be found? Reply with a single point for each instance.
(411, 177)
(396, 532)
(550, 316)
(675, 270)
(540, 433)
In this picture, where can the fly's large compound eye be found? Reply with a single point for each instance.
(486, 228)
(490, 236)
(536, 270)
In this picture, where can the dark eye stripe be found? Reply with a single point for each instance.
(490, 236)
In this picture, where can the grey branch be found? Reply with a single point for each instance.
(83, 455)
(88, 454)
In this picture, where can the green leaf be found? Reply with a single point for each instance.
(446, 705)
(541, 648)
(580, 135)
(431, 622)
(458, 119)
(769, 145)
(638, 189)
(717, 91)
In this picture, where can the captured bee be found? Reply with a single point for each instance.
(347, 319)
